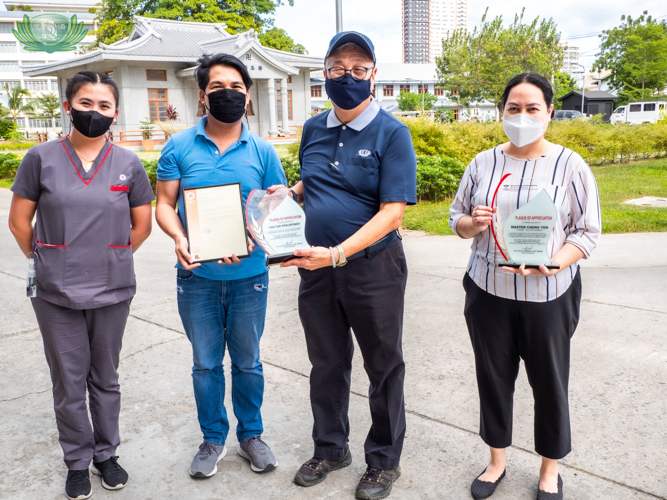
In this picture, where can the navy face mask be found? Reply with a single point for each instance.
(347, 93)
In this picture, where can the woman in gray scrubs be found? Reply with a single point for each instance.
(93, 206)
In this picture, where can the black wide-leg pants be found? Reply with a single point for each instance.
(366, 295)
(504, 331)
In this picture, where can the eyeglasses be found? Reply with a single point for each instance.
(358, 72)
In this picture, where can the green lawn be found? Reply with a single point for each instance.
(6, 183)
(616, 183)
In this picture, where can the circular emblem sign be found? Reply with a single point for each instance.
(191, 196)
(49, 33)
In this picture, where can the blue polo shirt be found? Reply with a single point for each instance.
(193, 157)
(349, 170)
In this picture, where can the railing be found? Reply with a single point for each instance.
(134, 137)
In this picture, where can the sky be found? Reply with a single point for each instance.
(312, 23)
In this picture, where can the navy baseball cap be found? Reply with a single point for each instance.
(352, 37)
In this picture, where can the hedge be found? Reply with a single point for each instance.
(9, 164)
(598, 143)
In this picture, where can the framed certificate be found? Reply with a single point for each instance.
(215, 222)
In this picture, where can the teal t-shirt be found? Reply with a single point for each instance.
(193, 158)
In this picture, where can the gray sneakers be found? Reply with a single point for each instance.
(258, 452)
(205, 463)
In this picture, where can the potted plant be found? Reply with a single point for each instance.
(147, 129)
(170, 126)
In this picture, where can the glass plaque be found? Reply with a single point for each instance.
(523, 236)
(277, 223)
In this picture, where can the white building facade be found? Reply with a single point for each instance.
(570, 59)
(15, 59)
(426, 23)
(392, 79)
(156, 65)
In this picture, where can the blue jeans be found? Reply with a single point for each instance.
(215, 312)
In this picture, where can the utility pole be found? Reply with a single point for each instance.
(339, 16)
(583, 87)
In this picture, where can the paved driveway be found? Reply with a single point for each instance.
(618, 387)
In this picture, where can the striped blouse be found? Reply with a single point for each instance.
(571, 185)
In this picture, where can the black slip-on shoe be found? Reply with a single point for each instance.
(376, 483)
(315, 470)
(484, 489)
(113, 475)
(543, 495)
(78, 485)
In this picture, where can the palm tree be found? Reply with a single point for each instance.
(49, 105)
(15, 101)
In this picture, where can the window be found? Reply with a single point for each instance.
(620, 110)
(156, 75)
(12, 84)
(662, 106)
(635, 107)
(109, 73)
(37, 84)
(20, 122)
(9, 66)
(405, 88)
(457, 114)
(455, 93)
(8, 47)
(32, 63)
(250, 110)
(422, 88)
(438, 91)
(157, 104)
(388, 91)
(316, 91)
(279, 105)
(6, 27)
(649, 106)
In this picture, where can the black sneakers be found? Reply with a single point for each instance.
(78, 485)
(315, 470)
(113, 475)
(377, 483)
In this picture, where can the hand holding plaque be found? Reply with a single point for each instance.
(277, 223)
(523, 236)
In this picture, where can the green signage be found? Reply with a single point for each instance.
(49, 33)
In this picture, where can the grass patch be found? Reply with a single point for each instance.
(616, 183)
(6, 183)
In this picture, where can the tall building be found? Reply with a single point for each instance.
(426, 23)
(571, 59)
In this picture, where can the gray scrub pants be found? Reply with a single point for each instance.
(82, 349)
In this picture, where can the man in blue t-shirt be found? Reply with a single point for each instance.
(358, 172)
(225, 301)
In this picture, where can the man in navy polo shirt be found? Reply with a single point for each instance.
(358, 172)
(221, 302)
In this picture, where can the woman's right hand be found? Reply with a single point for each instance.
(183, 255)
(482, 217)
(274, 188)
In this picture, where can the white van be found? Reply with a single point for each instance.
(640, 112)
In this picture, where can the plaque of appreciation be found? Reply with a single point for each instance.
(523, 236)
(277, 223)
(215, 222)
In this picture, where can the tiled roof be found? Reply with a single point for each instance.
(162, 40)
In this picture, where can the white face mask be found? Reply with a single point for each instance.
(522, 129)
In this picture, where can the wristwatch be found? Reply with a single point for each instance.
(294, 195)
(341, 257)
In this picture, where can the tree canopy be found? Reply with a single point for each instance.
(479, 64)
(563, 84)
(409, 101)
(116, 18)
(636, 54)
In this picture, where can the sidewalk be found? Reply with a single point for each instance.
(618, 387)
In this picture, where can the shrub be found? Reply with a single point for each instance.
(438, 177)
(6, 128)
(151, 170)
(292, 170)
(9, 164)
(16, 145)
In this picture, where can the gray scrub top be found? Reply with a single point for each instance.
(83, 226)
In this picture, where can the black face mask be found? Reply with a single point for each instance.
(348, 93)
(91, 123)
(227, 105)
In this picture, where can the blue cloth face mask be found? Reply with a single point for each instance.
(348, 93)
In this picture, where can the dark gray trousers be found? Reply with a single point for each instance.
(82, 349)
(367, 295)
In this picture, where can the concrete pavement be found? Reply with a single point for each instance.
(618, 387)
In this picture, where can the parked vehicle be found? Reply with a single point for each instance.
(637, 113)
(564, 114)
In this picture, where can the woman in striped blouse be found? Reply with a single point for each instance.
(528, 314)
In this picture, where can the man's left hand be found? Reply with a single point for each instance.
(311, 258)
(542, 271)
